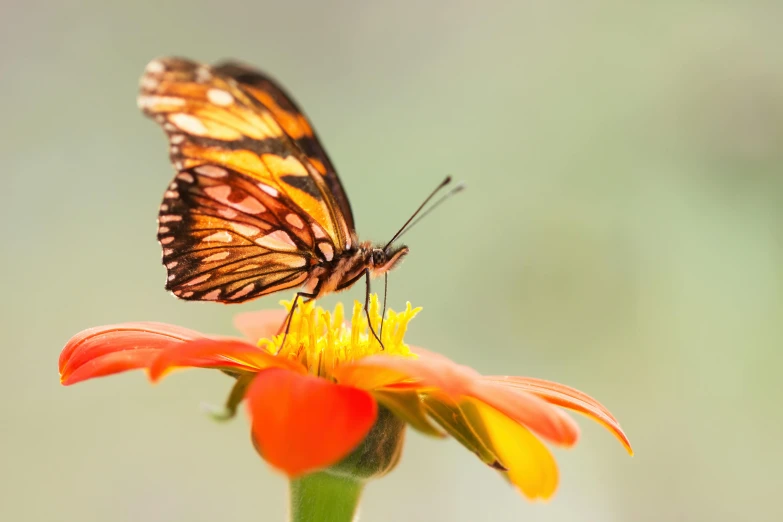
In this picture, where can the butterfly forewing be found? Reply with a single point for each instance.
(292, 119)
(252, 208)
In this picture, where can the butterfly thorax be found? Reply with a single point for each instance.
(350, 266)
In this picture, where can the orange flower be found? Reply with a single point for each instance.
(324, 394)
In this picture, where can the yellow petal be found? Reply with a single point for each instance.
(451, 418)
(531, 467)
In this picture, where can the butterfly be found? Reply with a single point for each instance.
(256, 206)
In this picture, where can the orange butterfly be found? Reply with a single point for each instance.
(256, 206)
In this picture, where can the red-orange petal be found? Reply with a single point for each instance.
(433, 371)
(430, 370)
(262, 324)
(106, 350)
(223, 353)
(566, 397)
(535, 413)
(303, 423)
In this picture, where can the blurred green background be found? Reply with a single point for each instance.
(621, 234)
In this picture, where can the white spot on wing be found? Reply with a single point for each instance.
(245, 230)
(249, 205)
(149, 83)
(228, 213)
(188, 123)
(176, 139)
(155, 67)
(163, 230)
(220, 97)
(326, 249)
(277, 240)
(244, 291)
(318, 232)
(171, 194)
(169, 218)
(294, 220)
(219, 193)
(269, 190)
(211, 296)
(216, 257)
(172, 264)
(148, 102)
(203, 75)
(222, 237)
(185, 176)
(166, 240)
(199, 279)
(211, 171)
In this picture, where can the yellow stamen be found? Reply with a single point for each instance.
(321, 341)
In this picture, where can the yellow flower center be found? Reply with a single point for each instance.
(320, 340)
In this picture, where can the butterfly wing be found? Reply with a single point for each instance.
(223, 240)
(270, 94)
(248, 213)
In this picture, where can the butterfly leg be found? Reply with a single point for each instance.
(385, 292)
(367, 308)
(290, 316)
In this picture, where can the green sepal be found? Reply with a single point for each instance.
(235, 398)
(378, 453)
(407, 406)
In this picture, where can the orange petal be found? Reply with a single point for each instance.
(116, 348)
(530, 465)
(223, 353)
(566, 397)
(529, 410)
(262, 324)
(303, 423)
(436, 372)
(428, 369)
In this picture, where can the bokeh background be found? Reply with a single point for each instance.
(621, 233)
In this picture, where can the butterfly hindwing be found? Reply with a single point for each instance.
(223, 240)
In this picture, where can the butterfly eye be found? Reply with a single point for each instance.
(378, 257)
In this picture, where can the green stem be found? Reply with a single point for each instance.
(324, 498)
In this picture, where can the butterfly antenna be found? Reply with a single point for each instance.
(457, 188)
(432, 195)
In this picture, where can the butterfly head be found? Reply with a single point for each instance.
(383, 259)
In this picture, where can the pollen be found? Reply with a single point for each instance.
(321, 340)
